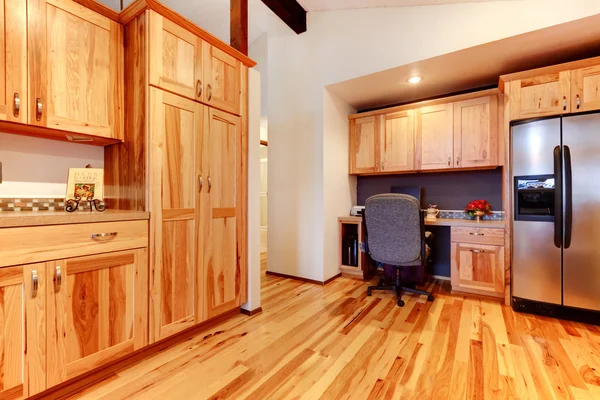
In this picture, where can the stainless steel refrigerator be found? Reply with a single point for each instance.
(556, 216)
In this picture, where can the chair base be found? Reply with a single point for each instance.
(399, 289)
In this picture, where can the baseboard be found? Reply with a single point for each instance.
(298, 278)
(440, 277)
(251, 312)
(66, 389)
(332, 279)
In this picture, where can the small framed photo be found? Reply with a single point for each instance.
(85, 183)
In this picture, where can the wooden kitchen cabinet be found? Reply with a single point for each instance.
(22, 330)
(222, 79)
(585, 89)
(541, 96)
(476, 132)
(175, 58)
(364, 145)
(96, 313)
(13, 60)
(175, 180)
(75, 69)
(435, 137)
(398, 142)
(223, 274)
(477, 261)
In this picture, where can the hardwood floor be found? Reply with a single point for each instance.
(334, 342)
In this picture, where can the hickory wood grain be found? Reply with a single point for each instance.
(333, 341)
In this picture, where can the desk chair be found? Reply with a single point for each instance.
(395, 235)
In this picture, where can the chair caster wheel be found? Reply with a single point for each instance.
(369, 293)
(430, 298)
(400, 303)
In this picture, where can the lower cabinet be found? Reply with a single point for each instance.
(478, 267)
(96, 311)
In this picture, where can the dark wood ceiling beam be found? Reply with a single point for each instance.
(290, 12)
(239, 25)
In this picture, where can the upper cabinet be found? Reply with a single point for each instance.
(364, 145)
(585, 89)
(75, 69)
(13, 60)
(175, 58)
(434, 137)
(222, 78)
(398, 142)
(476, 132)
(541, 95)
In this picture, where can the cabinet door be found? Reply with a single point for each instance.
(22, 323)
(478, 268)
(364, 145)
(175, 126)
(97, 311)
(540, 96)
(221, 240)
(222, 78)
(476, 132)
(13, 60)
(398, 142)
(434, 137)
(585, 89)
(76, 69)
(175, 58)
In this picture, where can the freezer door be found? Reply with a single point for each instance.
(536, 271)
(581, 259)
(536, 261)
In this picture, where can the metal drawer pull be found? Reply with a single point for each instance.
(578, 102)
(38, 109)
(209, 184)
(34, 280)
(564, 103)
(17, 101)
(476, 234)
(209, 91)
(58, 280)
(199, 88)
(449, 160)
(477, 251)
(200, 183)
(108, 235)
(457, 159)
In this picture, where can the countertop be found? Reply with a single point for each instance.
(447, 222)
(12, 219)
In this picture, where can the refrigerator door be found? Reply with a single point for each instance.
(581, 259)
(536, 261)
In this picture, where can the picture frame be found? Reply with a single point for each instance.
(85, 184)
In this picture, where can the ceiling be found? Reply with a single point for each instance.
(475, 67)
(328, 5)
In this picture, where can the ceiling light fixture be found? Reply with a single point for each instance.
(415, 79)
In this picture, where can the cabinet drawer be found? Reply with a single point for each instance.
(44, 243)
(494, 236)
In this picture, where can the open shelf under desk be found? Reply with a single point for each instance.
(444, 222)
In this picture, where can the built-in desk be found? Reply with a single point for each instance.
(477, 262)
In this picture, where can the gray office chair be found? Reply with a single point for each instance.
(395, 235)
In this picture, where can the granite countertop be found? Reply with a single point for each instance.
(469, 223)
(12, 219)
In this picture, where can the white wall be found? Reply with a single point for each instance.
(258, 51)
(38, 168)
(341, 45)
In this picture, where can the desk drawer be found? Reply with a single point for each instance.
(492, 236)
(44, 243)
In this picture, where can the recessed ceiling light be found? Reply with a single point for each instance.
(415, 79)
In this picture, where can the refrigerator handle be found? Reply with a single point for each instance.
(568, 198)
(558, 221)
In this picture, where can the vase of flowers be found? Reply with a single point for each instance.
(478, 208)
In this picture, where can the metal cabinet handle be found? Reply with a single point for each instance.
(58, 278)
(449, 160)
(38, 109)
(200, 183)
(199, 88)
(578, 102)
(108, 235)
(457, 160)
(477, 251)
(17, 103)
(476, 234)
(564, 103)
(376, 164)
(209, 184)
(209, 91)
(382, 165)
(34, 280)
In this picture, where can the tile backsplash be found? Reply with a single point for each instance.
(25, 204)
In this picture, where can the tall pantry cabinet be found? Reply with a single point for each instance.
(184, 159)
